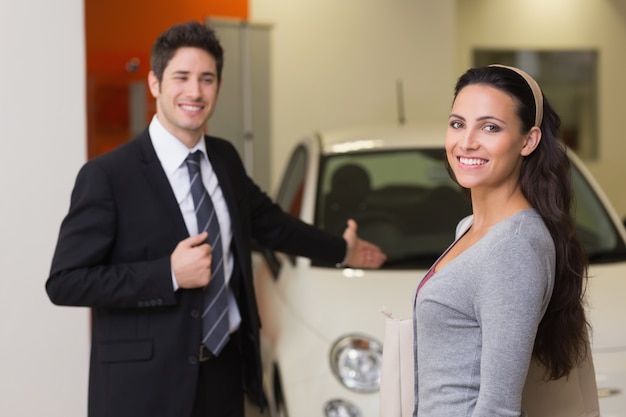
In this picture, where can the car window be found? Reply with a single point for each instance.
(595, 228)
(290, 191)
(404, 201)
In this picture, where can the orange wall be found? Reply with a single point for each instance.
(118, 31)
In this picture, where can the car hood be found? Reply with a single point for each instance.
(334, 302)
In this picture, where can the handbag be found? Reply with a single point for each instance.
(397, 380)
(573, 396)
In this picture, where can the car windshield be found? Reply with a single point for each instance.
(405, 202)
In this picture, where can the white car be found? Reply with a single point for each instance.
(322, 327)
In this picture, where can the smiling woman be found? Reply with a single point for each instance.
(409, 205)
(510, 287)
(485, 140)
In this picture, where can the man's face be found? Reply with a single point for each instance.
(186, 97)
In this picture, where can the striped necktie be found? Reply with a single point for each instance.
(215, 313)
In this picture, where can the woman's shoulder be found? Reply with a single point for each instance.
(525, 230)
(526, 223)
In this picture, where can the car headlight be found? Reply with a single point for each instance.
(356, 361)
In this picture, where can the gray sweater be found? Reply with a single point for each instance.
(476, 319)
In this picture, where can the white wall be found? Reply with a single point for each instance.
(563, 24)
(43, 348)
(335, 64)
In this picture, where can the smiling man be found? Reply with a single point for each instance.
(157, 241)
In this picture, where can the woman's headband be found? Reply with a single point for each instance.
(535, 89)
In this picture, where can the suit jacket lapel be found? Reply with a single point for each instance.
(157, 180)
(220, 167)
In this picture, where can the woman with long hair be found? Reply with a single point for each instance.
(511, 287)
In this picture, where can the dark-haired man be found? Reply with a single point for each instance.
(135, 249)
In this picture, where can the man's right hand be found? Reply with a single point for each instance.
(191, 262)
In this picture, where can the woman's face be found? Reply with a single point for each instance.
(484, 145)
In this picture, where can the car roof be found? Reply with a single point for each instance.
(389, 137)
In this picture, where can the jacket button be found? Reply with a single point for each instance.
(195, 313)
(192, 360)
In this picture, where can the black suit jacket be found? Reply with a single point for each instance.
(113, 254)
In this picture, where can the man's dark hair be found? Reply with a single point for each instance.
(189, 34)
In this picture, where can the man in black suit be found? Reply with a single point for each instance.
(131, 248)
